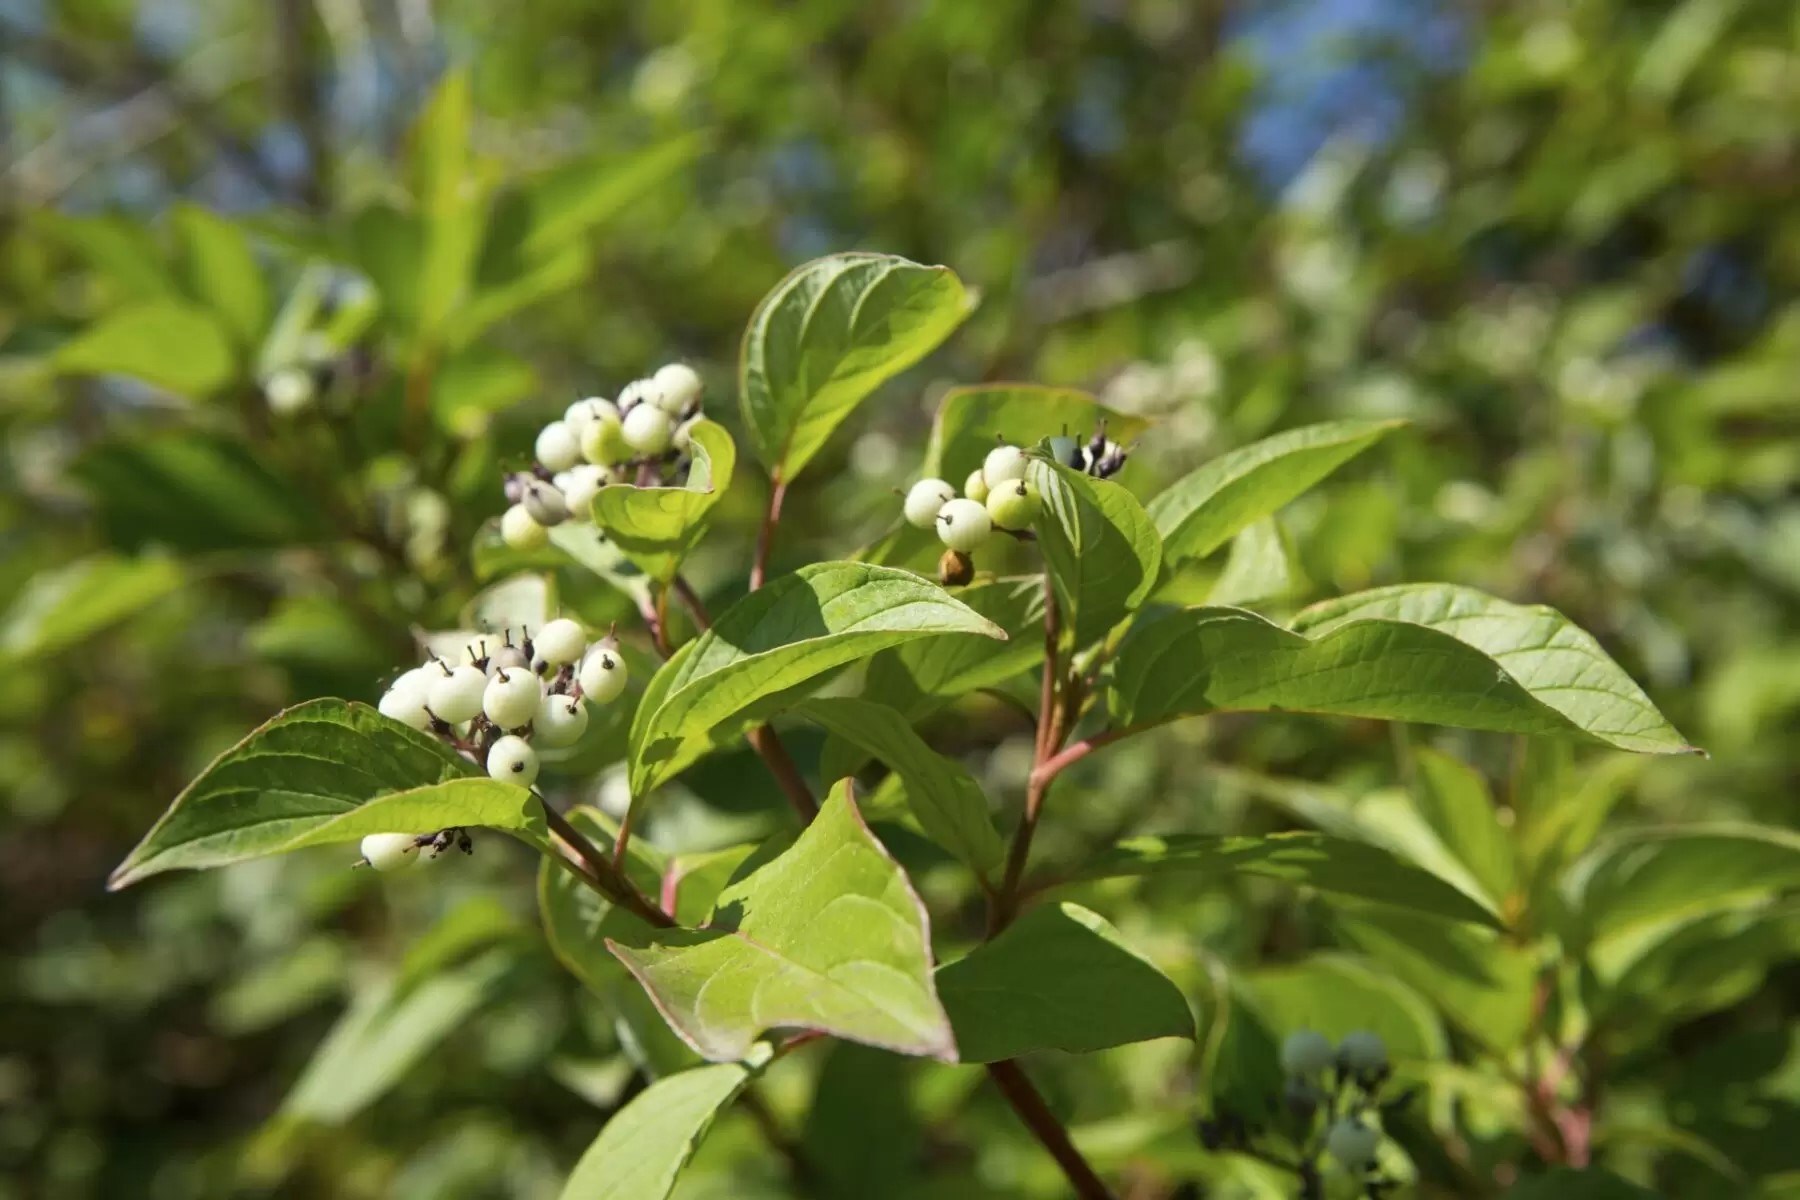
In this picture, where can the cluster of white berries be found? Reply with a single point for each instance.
(494, 705)
(632, 440)
(1360, 1059)
(996, 495)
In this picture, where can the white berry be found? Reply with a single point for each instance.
(963, 525)
(1363, 1052)
(603, 675)
(632, 395)
(557, 446)
(288, 391)
(675, 387)
(520, 530)
(1003, 463)
(406, 699)
(507, 658)
(561, 641)
(603, 440)
(1352, 1143)
(390, 851)
(456, 697)
(975, 487)
(545, 504)
(648, 429)
(580, 487)
(512, 760)
(560, 721)
(510, 699)
(583, 413)
(1306, 1052)
(925, 500)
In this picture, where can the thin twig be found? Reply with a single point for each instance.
(690, 600)
(1019, 1092)
(765, 538)
(611, 883)
(766, 742)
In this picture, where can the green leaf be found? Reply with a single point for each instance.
(194, 492)
(1457, 658)
(1336, 994)
(59, 608)
(1636, 890)
(829, 334)
(387, 1031)
(647, 1143)
(221, 272)
(1314, 860)
(123, 249)
(1262, 565)
(320, 772)
(1454, 801)
(1559, 663)
(863, 1138)
(828, 936)
(1102, 550)
(165, 343)
(657, 527)
(438, 151)
(920, 677)
(943, 796)
(1203, 510)
(475, 383)
(775, 639)
(1567, 1183)
(1058, 978)
(577, 920)
(970, 419)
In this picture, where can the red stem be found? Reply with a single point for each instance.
(766, 537)
(1016, 1087)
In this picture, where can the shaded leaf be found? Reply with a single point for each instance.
(919, 677)
(828, 936)
(1102, 550)
(59, 608)
(1568, 1183)
(827, 336)
(643, 1148)
(196, 492)
(945, 798)
(325, 771)
(1262, 565)
(165, 343)
(1058, 978)
(772, 641)
(1454, 801)
(657, 527)
(221, 272)
(1203, 510)
(1315, 860)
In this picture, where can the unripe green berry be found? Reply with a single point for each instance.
(390, 851)
(1305, 1053)
(975, 487)
(603, 441)
(963, 525)
(560, 721)
(456, 697)
(1014, 505)
(675, 386)
(512, 760)
(925, 500)
(1003, 463)
(1363, 1053)
(603, 675)
(561, 641)
(1352, 1143)
(520, 531)
(557, 446)
(510, 699)
(648, 429)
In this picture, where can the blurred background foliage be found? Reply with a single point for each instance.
(1562, 237)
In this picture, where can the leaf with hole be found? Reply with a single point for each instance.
(827, 936)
